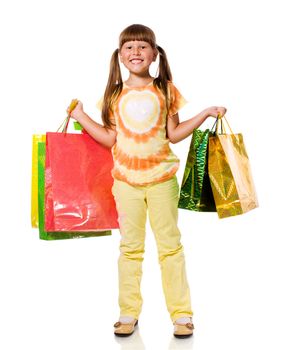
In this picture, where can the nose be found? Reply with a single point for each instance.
(136, 51)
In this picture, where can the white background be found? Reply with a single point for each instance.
(63, 294)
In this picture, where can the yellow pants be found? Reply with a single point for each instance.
(162, 202)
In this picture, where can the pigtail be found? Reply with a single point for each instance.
(164, 75)
(112, 90)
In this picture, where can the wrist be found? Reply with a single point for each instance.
(205, 114)
(81, 116)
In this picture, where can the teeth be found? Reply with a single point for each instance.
(136, 61)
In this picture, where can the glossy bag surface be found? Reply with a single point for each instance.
(78, 184)
(230, 175)
(196, 193)
(41, 205)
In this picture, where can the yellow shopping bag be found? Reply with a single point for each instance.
(230, 174)
(34, 184)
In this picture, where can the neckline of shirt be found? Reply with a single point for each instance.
(137, 87)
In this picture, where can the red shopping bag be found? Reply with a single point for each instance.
(78, 184)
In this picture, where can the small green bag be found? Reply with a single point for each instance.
(41, 206)
(196, 193)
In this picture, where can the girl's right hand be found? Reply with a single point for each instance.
(77, 112)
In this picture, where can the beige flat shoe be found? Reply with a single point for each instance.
(183, 330)
(124, 329)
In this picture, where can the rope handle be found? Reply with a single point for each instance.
(219, 122)
(64, 125)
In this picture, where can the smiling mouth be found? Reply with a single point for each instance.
(136, 61)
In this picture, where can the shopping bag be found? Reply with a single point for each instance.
(34, 179)
(230, 174)
(34, 182)
(41, 152)
(78, 184)
(195, 192)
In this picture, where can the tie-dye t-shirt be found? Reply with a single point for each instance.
(141, 153)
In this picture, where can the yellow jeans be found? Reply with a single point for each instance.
(132, 203)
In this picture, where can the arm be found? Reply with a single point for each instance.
(177, 131)
(103, 135)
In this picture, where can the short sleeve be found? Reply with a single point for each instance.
(177, 101)
(99, 103)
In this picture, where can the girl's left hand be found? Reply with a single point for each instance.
(215, 111)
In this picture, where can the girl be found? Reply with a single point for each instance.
(140, 117)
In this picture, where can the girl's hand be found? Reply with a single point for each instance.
(215, 112)
(77, 112)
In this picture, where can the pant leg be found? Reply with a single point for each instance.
(131, 207)
(162, 202)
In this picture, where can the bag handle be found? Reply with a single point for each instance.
(219, 121)
(64, 125)
(214, 128)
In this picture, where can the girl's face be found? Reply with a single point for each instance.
(137, 56)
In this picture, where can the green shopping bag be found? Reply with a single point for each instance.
(196, 193)
(41, 203)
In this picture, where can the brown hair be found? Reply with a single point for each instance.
(114, 84)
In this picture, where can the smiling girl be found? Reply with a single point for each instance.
(140, 117)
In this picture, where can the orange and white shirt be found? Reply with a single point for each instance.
(141, 153)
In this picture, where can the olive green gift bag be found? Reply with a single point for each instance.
(196, 193)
